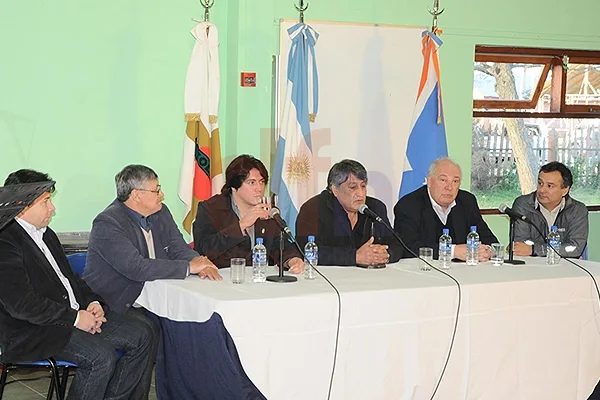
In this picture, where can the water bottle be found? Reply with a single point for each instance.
(445, 249)
(552, 258)
(259, 261)
(311, 258)
(473, 246)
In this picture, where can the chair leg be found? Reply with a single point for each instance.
(3, 379)
(63, 381)
(55, 380)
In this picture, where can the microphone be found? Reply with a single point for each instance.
(275, 214)
(365, 210)
(513, 214)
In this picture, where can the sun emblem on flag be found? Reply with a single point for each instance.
(298, 168)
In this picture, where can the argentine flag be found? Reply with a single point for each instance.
(294, 179)
(427, 139)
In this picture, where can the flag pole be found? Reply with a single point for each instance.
(435, 12)
(301, 8)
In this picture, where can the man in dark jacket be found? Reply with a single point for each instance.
(48, 311)
(343, 234)
(228, 224)
(135, 240)
(421, 215)
(551, 205)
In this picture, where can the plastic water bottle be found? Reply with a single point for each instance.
(552, 258)
(445, 249)
(473, 246)
(259, 261)
(311, 258)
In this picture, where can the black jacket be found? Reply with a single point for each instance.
(218, 236)
(36, 318)
(419, 226)
(324, 217)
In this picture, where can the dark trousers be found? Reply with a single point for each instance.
(151, 322)
(100, 375)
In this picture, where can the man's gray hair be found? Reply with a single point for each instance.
(438, 161)
(132, 177)
(340, 172)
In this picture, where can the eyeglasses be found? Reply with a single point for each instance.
(155, 191)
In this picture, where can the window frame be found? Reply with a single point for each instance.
(554, 60)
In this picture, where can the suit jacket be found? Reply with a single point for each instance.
(419, 226)
(118, 263)
(36, 318)
(218, 236)
(324, 217)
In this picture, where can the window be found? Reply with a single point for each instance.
(530, 107)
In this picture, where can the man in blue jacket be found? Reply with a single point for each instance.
(134, 240)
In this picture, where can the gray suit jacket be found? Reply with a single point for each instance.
(117, 263)
(572, 223)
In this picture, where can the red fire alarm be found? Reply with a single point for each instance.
(248, 79)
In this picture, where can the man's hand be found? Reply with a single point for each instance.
(485, 252)
(296, 265)
(88, 323)
(522, 249)
(259, 211)
(197, 264)
(210, 273)
(96, 309)
(371, 254)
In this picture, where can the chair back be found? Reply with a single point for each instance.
(77, 262)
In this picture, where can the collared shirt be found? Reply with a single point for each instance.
(37, 236)
(550, 215)
(250, 229)
(144, 222)
(442, 215)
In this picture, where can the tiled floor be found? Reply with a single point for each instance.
(28, 387)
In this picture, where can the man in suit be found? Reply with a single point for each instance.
(135, 240)
(48, 311)
(550, 205)
(228, 224)
(421, 215)
(345, 236)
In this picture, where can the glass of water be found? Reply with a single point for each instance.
(426, 253)
(237, 270)
(497, 254)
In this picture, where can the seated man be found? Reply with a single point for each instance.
(551, 205)
(421, 215)
(48, 311)
(345, 236)
(135, 240)
(227, 224)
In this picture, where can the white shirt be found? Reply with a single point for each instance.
(550, 216)
(37, 236)
(442, 215)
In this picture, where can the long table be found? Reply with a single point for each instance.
(524, 332)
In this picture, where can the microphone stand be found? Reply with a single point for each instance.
(511, 240)
(281, 278)
(374, 266)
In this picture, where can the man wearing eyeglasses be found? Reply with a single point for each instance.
(134, 240)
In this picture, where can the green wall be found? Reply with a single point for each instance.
(88, 87)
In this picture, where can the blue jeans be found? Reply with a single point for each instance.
(100, 375)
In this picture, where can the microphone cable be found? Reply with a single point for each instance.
(455, 328)
(293, 240)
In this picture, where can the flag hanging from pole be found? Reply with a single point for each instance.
(294, 179)
(427, 139)
(201, 173)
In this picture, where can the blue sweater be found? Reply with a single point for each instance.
(117, 263)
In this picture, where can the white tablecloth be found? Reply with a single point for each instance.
(525, 332)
